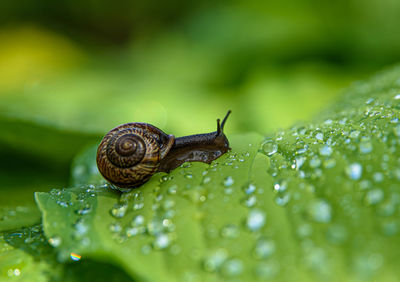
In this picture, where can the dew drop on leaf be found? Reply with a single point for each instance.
(336, 234)
(365, 146)
(320, 211)
(230, 231)
(354, 171)
(282, 199)
(55, 241)
(396, 130)
(232, 267)
(119, 210)
(280, 186)
(378, 177)
(319, 136)
(115, 227)
(325, 151)
(172, 189)
(374, 196)
(267, 270)
(249, 189)
(138, 220)
(269, 147)
(264, 248)
(161, 241)
(249, 201)
(255, 220)
(315, 162)
(215, 260)
(228, 181)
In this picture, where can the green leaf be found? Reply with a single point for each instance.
(156, 232)
(318, 201)
(25, 255)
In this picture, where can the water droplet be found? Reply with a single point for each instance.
(213, 262)
(133, 231)
(255, 220)
(329, 163)
(115, 227)
(138, 220)
(354, 134)
(232, 267)
(80, 228)
(365, 146)
(188, 175)
(173, 189)
(374, 196)
(119, 210)
(316, 259)
(55, 241)
(168, 204)
(280, 186)
(85, 210)
(249, 189)
(282, 199)
(336, 234)
(264, 248)
(228, 181)
(267, 270)
(164, 178)
(186, 165)
(354, 171)
(300, 161)
(378, 177)
(396, 130)
(138, 206)
(390, 228)
(319, 136)
(397, 97)
(161, 241)
(155, 226)
(325, 151)
(365, 184)
(369, 101)
(301, 151)
(315, 162)
(230, 231)
(249, 201)
(320, 211)
(206, 180)
(367, 264)
(146, 249)
(269, 147)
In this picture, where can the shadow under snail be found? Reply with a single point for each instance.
(131, 153)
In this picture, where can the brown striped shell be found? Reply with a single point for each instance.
(130, 154)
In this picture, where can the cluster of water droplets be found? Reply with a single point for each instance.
(230, 263)
(351, 159)
(81, 202)
(30, 240)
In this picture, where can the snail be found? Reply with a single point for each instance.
(131, 153)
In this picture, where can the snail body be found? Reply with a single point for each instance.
(131, 153)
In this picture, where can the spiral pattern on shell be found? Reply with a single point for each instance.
(130, 154)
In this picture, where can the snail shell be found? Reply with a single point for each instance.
(130, 154)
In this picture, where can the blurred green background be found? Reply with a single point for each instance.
(72, 70)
